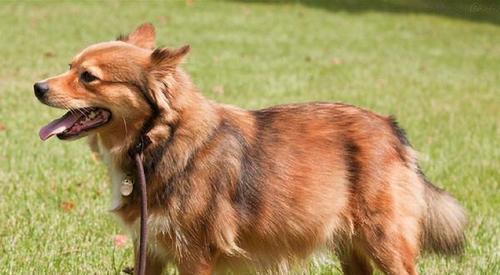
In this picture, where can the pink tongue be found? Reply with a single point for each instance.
(59, 125)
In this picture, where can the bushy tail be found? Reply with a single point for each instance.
(445, 222)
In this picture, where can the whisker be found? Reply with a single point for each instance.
(125, 123)
(81, 110)
(84, 110)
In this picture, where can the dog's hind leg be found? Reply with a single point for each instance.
(392, 253)
(354, 262)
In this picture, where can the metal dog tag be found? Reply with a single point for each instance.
(127, 186)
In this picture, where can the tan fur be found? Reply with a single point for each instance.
(255, 190)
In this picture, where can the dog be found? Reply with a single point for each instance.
(248, 191)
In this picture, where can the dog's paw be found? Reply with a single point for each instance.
(128, 270)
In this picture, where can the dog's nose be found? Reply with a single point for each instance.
(41, 88)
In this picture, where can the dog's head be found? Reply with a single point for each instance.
(110, 84)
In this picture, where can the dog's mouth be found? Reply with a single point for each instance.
(75, 123)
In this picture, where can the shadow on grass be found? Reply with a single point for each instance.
(485, 11)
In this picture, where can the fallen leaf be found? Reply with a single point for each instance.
(120, 240)
(49, 54)
(247, 11)
(218, 89)
(381, 82)
(163, 19)
(70, 251)
(2, 127)
(189, 2)
(336, 61)
(67, 206)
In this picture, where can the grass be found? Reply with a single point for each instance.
(436, 67)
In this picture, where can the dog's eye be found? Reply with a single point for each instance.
(87, 77)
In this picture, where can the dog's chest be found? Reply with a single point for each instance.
(116, 175)
(162, 230)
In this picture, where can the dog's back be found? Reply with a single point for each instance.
(267, 188)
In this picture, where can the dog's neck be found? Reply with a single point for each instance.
(186, 119)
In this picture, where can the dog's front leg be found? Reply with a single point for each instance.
(198, 265)
(154, 263)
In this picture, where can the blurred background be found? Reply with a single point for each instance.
(435, 65)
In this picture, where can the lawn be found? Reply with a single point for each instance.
(434, 66)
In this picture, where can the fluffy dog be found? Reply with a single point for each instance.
(250, 191)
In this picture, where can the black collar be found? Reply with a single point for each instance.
(143, 140)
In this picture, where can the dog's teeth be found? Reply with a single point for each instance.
(92, 115)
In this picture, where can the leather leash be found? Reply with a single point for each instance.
(141, 264)
(136, 153)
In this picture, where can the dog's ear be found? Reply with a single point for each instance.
(165, 60)
(144, 36)
(161, 73)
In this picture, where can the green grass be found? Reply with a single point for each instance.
(435, 66)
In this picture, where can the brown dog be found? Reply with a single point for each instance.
(249, 190)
